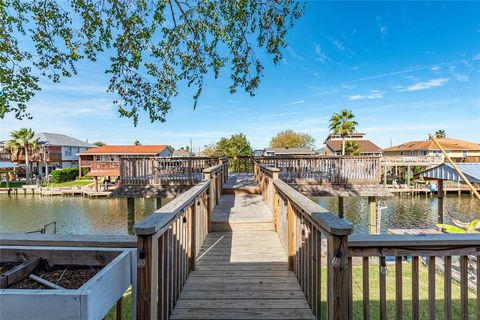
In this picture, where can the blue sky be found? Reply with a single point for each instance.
(404, 69)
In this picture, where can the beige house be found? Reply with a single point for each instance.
(458, 150)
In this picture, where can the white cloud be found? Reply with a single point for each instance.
(435, 68)
(374, 94)
(338, 44)
(462, 77)
(320, 55)
(233, 101)
(476, 57)
(424, 85)
(384, 30)
(294, 102)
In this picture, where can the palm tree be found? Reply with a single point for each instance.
(352, 148)
(22, 141)
(342, 123)
(440, 134)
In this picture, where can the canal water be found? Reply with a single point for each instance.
(77, 215)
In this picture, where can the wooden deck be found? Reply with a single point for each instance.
(242, 275)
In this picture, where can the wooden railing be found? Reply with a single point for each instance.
(317, 241)
(411, 160)
(325, 169)
(438, 253)
(164, 170)
(169, 241)
(302, 225)
(104, 166)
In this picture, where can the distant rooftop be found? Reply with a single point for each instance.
(446, 171)
(446, 143)
(121, 150)
(365, 146)
(56, 139)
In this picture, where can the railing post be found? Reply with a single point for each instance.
(208, 176)
(148, 258)
(291, 234)
(338, 283)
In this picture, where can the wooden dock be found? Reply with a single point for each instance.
(242, 275)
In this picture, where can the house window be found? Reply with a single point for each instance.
(68, 151)
(465, 153)
(401, 153)
(425, 152)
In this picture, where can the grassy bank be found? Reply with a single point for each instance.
(12, 184)
(374, 295)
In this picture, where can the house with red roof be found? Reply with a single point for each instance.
(105, 161)
(333, 144)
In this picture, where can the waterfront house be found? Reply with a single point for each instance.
(56, 151)
(333, 144)
(458, 150)
(105, 161)
(281, 152)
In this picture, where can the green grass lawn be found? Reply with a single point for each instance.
(374, 295)
(12, 184)
(73, 183)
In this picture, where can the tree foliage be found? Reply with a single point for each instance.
(137, 143)
(153, 46)
(440, 134)
(99, 143)
(352, 148)
(235, 145)
(292, 139)
(342, 123)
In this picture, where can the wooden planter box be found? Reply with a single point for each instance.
(92, 300)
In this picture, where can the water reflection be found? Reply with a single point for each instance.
(405, 211)
(76, 215)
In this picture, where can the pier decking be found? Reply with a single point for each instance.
(242, 275)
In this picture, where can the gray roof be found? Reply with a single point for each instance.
(56, 139)
(7, 165)
(445, 171)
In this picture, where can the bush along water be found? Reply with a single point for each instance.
(64, 175)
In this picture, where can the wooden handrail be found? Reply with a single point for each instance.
(318, 215)
(161, 219)
(169, 241)
(414, 240)
(301, 224)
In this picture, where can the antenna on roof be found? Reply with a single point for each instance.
(390, 141)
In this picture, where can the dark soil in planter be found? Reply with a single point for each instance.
(71, 278)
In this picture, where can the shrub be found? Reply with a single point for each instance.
(64, 175)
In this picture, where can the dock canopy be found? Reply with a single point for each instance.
(446, 171)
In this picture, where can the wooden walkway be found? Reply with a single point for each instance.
(242, 273)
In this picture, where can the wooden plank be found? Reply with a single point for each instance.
(464, 287)
(337, 300)
(383, 292)
(447, 287)
(421, 241)
(431, 288)
(147, 278)
(415, 303)
(68, 240)
(291, 235)
(242, 295)
(18, 272)
(478, 287)
(118, 310)
(398, 288)
(366, 289)
(245, 303)
(272, 314)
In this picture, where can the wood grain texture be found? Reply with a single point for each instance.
(249, 279)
